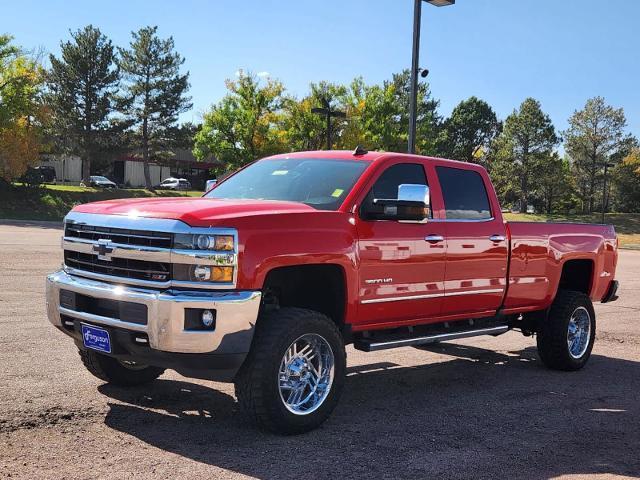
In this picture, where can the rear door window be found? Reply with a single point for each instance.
(464, 193)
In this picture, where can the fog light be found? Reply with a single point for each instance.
(207, 318)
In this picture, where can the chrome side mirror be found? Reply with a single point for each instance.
(413, 193)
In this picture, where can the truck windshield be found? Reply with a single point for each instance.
(320, 183)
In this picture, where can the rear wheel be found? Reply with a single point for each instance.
(565, 338)
(294, 374)
(116, 372)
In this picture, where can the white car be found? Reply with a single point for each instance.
(175, 184)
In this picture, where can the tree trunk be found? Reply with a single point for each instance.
(592, 191)
(86, 159)
(145, 155)
(86, 168)
(523, 191)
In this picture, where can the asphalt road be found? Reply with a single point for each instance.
(479, 408)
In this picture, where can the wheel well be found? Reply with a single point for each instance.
(317, 287)
(576, 275)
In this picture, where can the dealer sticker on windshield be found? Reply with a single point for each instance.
(96, 338)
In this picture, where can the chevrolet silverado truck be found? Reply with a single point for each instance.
(265, 279)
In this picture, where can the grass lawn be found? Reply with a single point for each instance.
(627, 224)
(52, 202)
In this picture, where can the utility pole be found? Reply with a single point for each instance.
(328, 112)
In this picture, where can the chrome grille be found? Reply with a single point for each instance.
(119, 267)
(119, 235)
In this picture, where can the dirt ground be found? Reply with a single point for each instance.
(479, 408)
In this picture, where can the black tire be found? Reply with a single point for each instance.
(256, 385)
(552, 336)
(112, 371)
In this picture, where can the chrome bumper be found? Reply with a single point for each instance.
(236, 314)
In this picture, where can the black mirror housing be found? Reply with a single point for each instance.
(392, 209)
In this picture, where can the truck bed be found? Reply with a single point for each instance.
(538, 251)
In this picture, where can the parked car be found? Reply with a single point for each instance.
(98, 181)
(174, 184)
(265, 280)
(39, 174)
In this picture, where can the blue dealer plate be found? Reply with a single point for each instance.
(96, 338)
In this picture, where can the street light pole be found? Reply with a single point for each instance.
(328, 112)
(415, 59)
(415, 69)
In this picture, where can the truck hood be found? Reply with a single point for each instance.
(192, 211)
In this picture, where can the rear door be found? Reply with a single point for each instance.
(477, 250)
(401, 274)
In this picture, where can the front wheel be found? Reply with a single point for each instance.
(565, 338)
(294, 374)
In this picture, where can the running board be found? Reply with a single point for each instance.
(370, 345)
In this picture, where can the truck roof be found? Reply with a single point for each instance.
(369, 156)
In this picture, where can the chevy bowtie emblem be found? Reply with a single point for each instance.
(104, 249)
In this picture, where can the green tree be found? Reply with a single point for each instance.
(469, 131)
(155, 92)
(82, 86)
(22, 113)
(245, 125)
(556, 185)
(594, 138)
(523, 150)
(626, 181)
(306, 130)
(378, 116)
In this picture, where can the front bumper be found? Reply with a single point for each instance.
(169, 344)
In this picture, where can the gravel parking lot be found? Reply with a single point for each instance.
(480, 408)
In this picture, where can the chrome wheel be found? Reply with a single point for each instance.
(306, 374)
(579, 332)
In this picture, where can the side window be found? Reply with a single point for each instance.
(465, 196)
(387, 184)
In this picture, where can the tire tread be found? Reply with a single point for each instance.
(249, 383)
(552, 333)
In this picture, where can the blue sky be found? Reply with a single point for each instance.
(560, 52)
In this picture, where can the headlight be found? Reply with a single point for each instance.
(218, 243)
(203, 273)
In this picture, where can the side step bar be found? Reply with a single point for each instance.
(370, 345)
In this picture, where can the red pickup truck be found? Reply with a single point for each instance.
(265, 279)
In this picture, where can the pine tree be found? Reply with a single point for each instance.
(523, 149)
(155, 92)
(82, 84)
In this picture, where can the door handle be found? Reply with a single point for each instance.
(434, 238)
(497, 238)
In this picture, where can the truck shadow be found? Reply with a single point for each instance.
(481, 414)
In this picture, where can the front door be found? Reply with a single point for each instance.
(401, 275)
